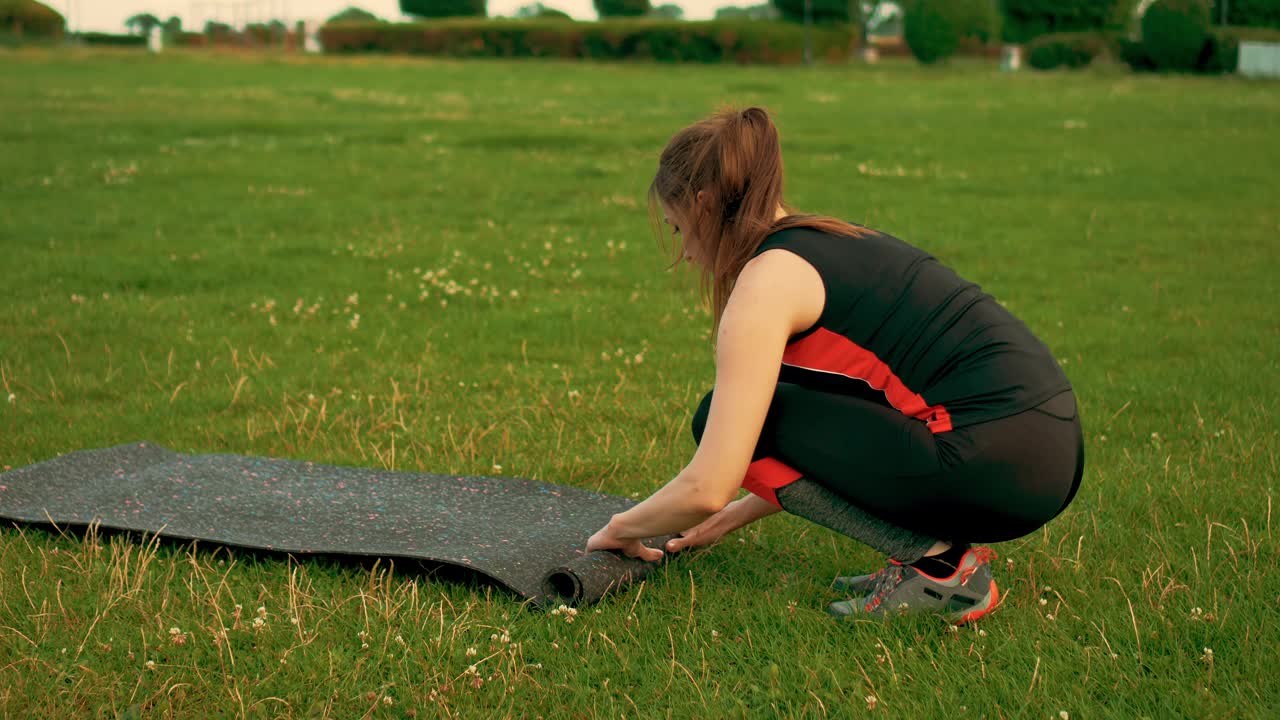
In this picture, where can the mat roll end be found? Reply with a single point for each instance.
(586, 579)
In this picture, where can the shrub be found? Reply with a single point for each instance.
(821, 11)
(28, 18)
(1134, 54)
(1221, 53)
(190, 39)
(1248, 13)
(1174, 33)
(99, 39)
(622, 8)
(443, 8)
(1025, 20)
(742, 42)
(931, 30)
(1072, 50)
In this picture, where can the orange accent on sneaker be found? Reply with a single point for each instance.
(991, 605)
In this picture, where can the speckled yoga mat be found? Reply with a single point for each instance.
(527, 535)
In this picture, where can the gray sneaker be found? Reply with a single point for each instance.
(968, 594)
(855, 585)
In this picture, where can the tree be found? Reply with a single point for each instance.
(538, 10)
(142, 23)
(173, 26)
(822, 11)
(218, 30)
(353, 14)
(622, 8)
(1247, 13)
(1025, 20)
(667, 12)
(443, 8)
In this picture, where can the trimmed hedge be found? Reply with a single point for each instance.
(622, 8)
(443, 8)
(936, 29)
(820, 11)
(930, 31)
(1071, 50)
(1134, 54)
(1220, 54)
(99, 39)
(667, 41)
(190, 39)
(1174, 33)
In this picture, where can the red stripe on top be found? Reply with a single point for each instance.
(830, 352)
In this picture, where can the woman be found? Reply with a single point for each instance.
(853, 360)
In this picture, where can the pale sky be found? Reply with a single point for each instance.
(109, 15)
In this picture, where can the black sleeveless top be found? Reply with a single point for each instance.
(901, 329)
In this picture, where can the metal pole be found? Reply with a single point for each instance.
(808, 42)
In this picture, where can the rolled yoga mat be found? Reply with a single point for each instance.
(529, 536)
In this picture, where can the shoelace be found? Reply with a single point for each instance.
(980, 555)
(887, 580)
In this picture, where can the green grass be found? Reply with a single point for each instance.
(187, 242)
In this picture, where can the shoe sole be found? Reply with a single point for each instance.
(990, 602)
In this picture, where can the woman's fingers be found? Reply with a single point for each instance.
(676, 544)
(638, 549)
(691, 538)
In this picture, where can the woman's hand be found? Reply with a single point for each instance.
(707, 532)
(606, 538)
(734, 515)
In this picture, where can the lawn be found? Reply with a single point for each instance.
(447, 267)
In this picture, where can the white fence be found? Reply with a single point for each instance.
(1258, 59)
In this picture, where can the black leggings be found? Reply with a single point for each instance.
(990, 482)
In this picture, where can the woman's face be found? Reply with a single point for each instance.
(679, 227)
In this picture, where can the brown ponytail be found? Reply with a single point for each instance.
(735, 158)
